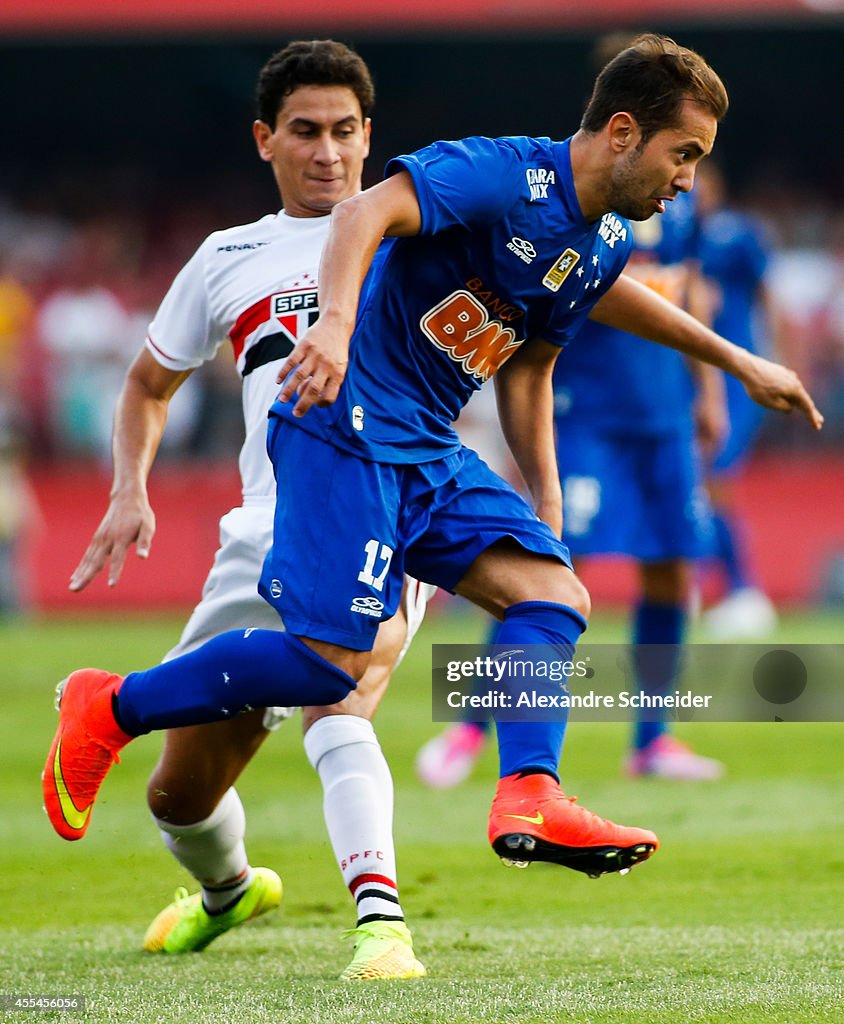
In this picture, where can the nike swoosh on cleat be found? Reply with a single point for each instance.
(72, 815)
(537, 819)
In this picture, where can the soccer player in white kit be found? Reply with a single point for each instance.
(256, 286)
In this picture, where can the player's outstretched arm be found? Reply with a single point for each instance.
(525, 397)
(139, 422)
(315, 369)
(630, 306)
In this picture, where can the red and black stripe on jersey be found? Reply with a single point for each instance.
(294, 311)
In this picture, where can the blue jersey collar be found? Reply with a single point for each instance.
(562, 158)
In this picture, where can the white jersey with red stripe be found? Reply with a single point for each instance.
(256, 286)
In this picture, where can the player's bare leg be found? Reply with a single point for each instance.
(199, 764)
(659, 631)
(542, 602)
(202, 822)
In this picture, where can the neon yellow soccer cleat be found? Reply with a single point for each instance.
(186, 927)
(383, 950)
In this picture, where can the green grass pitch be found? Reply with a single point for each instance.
(738, 918)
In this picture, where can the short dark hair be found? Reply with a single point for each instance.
(312, 62)
(650, 79)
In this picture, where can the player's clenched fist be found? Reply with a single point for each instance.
(315, 368)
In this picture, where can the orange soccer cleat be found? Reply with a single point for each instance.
(84, 748)
(532, 819)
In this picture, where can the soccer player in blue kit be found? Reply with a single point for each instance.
(480, 279)
(631, 485)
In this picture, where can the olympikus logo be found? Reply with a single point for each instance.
(461, 327)
(367, 606)
(522, 248)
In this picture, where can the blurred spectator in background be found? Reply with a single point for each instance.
(19, 513)
(16, 310)
(734, 255)
(85, 331)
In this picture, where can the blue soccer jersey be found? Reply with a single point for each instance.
(614, 380)
(734, 254)
(504, 255)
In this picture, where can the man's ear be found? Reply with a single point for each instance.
(623, 132)
(262, 133)
(367, 133)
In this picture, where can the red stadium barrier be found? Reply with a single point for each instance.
(793, 507)
(188, 501)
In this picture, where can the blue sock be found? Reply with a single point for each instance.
(536, 746)
(231, 673)
(656, 667)
(730, 551)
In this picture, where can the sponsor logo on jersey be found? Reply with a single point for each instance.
(500, 308)
(462, 328)
(538, 179)
(522, 248)
(276, 588)
(611, 229)
(560, 270)
(242, 247)
(367, 606)
(357, 417)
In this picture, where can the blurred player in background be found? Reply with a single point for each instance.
(256, 285)
(479, 280)
(628, 419)
(735, 255)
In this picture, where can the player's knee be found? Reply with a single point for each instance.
(567, 589)
(578, 597)
(666, 582)
(352, 663)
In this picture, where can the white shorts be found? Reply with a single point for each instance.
(230, 598)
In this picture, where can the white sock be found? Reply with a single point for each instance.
(213, 851)
(358, 806)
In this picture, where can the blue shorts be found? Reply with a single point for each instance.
(347, 530)
(636, 495)
(745, 420)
